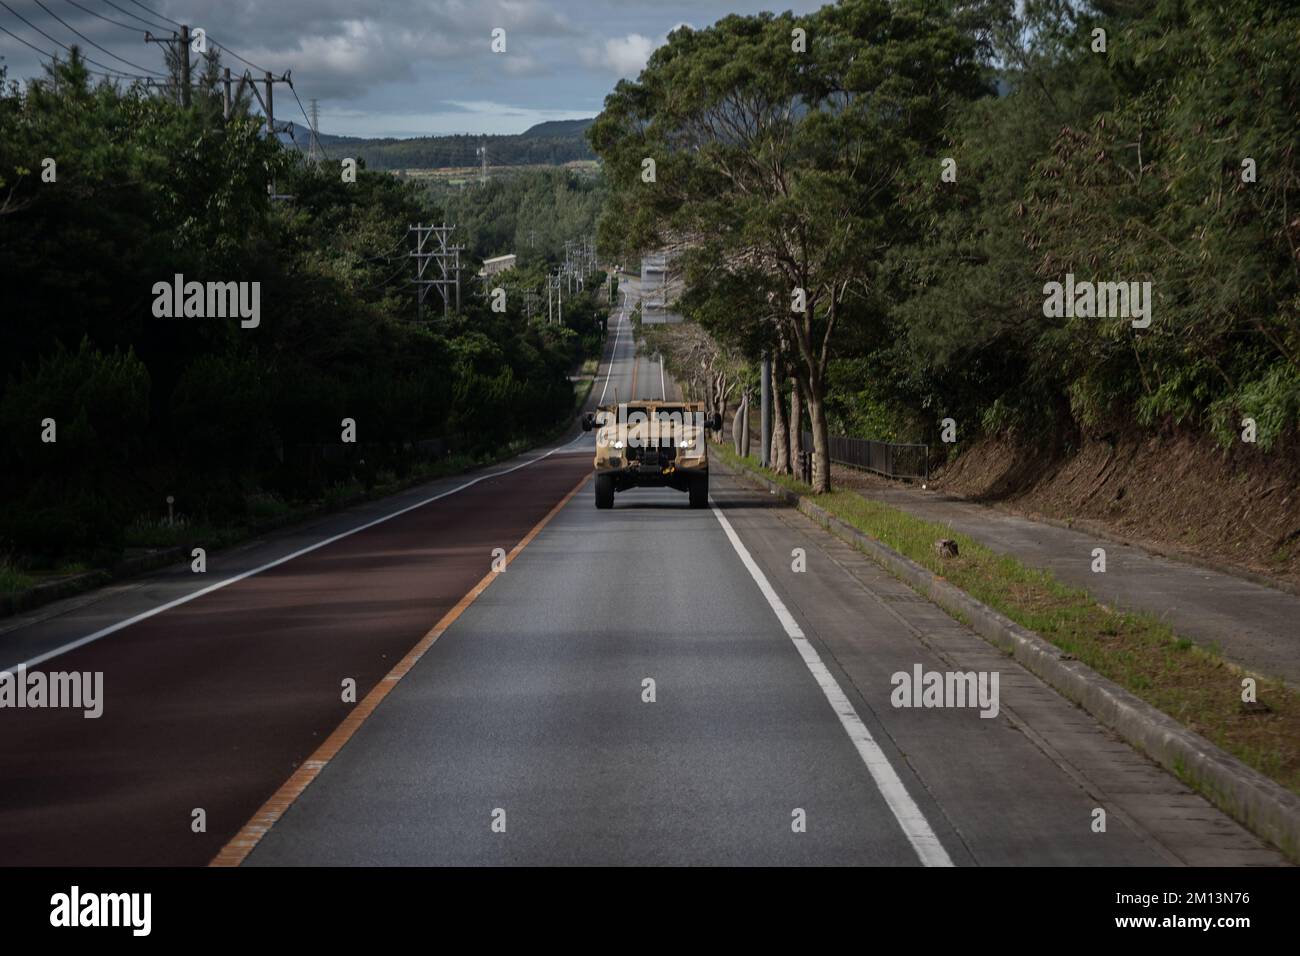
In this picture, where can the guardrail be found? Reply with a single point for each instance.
(891, 459)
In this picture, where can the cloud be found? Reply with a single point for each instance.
(627, 55)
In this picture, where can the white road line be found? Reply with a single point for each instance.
(906, 812)
(185, 599)
(662, 387)
(613, 354)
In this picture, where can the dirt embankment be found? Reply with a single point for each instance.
(1237, 508)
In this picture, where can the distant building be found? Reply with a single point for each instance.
(497, 264)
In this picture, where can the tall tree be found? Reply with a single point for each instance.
(777, 143)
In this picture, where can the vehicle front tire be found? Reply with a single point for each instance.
(699, 491)
(604, 491)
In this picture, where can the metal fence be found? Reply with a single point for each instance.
(891, 459)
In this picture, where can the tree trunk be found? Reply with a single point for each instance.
(821, 470)
(737, 425)
(744, 427)
(779, 453)
(796, 422)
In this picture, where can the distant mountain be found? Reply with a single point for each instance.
(560, 128)
(552, 143)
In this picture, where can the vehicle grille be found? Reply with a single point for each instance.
(652, 456)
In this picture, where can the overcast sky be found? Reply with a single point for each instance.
(394, 67)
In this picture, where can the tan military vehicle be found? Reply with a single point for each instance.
(652, 445)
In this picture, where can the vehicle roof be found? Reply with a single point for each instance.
(651, 403)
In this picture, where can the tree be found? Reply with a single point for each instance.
(785, 161)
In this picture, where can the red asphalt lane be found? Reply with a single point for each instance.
(214, 703)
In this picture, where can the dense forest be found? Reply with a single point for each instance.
(530, 213)
(108, 409)
(546, 144)
(883, 205)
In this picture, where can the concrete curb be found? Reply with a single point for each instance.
(1264, 807)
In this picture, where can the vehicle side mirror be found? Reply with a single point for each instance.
(588, 422)
(715, 422)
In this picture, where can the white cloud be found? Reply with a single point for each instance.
(625, 56)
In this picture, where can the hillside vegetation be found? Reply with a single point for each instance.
(883, 210)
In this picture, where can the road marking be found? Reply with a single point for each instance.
(613, 355)
(185, 599)
(237, 849)
(662, 387)
(909, 816)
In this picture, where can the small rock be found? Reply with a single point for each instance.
(945, 548)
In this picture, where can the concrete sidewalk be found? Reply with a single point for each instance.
(1254, 626)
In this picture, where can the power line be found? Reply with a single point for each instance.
(53, 56)
(227, 49)
(64, 45)
(116, 23)
(310, 127)
(155, 25)
(388, 255)
(24, 42)
(155, 12)
(96, 45)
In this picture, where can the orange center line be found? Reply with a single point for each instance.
(241, 844)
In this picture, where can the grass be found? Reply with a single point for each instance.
(147, 532)
(13, 579)
(1192, 684)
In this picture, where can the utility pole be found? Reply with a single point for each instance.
(765, 406)
(185, 66)
(268, 107)
(181, 57)
(448, 258)
(313, 144)
(270, 102)
(482, 151)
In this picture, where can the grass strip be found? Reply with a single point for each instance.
(1192, 684)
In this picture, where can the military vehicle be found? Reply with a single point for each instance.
(650, 444)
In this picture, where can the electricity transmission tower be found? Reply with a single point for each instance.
(448, 259)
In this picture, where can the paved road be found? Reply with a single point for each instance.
(1252, 625)
(770, 737)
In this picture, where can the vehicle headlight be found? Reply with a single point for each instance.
(688, 443)
(618, 444)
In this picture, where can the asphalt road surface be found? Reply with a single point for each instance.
(650, 684)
